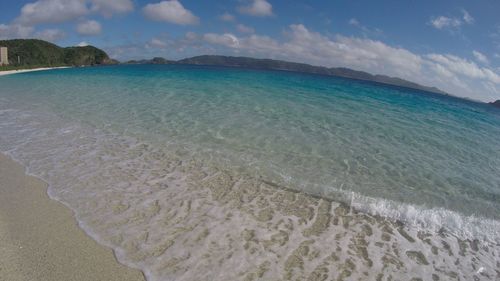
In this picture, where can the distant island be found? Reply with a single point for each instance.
(305, 68)
(270, 64)
(33, 53)
(155, 60)
(495, 103)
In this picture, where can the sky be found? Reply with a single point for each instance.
(452, 45)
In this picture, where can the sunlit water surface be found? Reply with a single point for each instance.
(194, 173)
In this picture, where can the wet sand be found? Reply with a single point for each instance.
(40, 239)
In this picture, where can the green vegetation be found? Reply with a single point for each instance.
(32, 53)
(85, 56)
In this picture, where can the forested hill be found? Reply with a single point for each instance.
(306, 68)
(34, 52)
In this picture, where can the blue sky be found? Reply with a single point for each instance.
(453, 45)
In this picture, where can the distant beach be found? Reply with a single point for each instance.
(7, 72)
(40, 239)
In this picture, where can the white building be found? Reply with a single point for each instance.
(4, 57)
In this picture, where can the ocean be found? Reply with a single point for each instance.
(214, 173)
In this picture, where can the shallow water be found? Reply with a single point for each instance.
(228, 174)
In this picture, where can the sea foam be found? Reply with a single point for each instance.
(183, 198)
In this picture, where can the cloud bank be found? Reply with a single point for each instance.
(450, 73)
(51, 11)
(90, 27)
(59, 11)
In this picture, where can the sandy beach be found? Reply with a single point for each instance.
(7, 72)
(40, 239)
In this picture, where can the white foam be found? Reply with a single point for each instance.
(430, 219)
(142, 202)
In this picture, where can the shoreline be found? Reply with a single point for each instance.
(194, 195)
(7, 72)
(40, 238)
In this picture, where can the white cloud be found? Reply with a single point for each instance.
(312, 47)
(467, 17)
(51, 35)
(90, 27)
(354, 22)
(258, 8)
(191, 40)
(57, 11)
(495, 36)
(191, 35)
(366, 31)
(110, 7)
(465, 68)
(226, 39)
(83, 44)
(10, 31)
(455, 75)
(245, 29)
(480, 57)
(170, 11)
(157, 43)
(442, 22)
(51, 11)
(226, 17)
(186, 45)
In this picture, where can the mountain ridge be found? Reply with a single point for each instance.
(495, 103)
(39, 53)
(271, 64)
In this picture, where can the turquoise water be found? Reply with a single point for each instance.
(429, 161)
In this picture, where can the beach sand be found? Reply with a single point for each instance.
(7, 72)
(40, 239)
